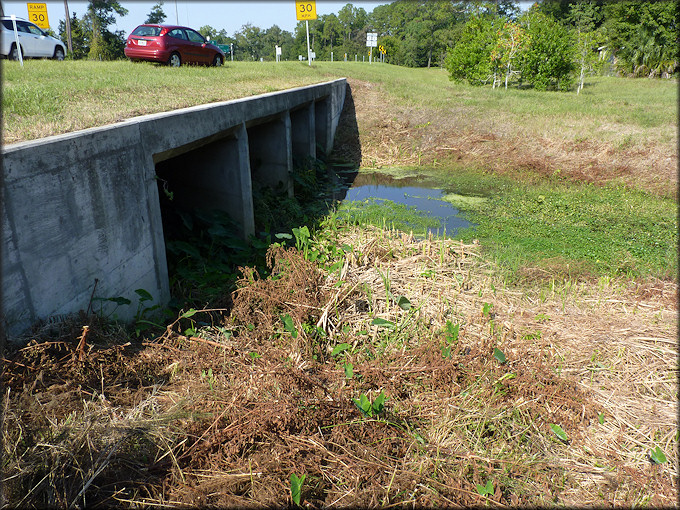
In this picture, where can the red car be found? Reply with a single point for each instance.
(172, 45)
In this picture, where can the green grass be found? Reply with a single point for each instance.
(386, 214)
(604, 101)
(46, 97)
(612, 231)
(573, 229)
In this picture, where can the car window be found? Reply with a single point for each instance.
(21, 26)
(177, 33)
(7, 23)
(34, 29)
(195, 36)
(147, 31)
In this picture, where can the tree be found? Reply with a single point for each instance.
(353, 21)
(382, 19)
(539, 47)
(216, 36)
(156, 15)
(643, 36)
(300, 40)
(79, 38)
(415, 43)
(273, 37)
(584, 15)
(512, 39)
(470, 59)
(104, 45)
(393, 49)
(422, 30)
(332, 30)
(430, 33)
(249, 43)
(507, 9)
(548, 61)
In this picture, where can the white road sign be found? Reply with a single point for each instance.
(372, 39)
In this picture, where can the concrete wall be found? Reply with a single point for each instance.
(84, 206)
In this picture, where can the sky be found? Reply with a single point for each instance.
(230, 15)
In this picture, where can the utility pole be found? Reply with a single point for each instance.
(69, 41)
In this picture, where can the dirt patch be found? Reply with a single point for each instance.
(222, 419)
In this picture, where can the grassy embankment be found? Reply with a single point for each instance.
(391, 371)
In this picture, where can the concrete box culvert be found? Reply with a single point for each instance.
(85, 206)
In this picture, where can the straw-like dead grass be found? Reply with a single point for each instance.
(224, 418)
(394, 134)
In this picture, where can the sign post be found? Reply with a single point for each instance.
(306, 10)
(16, 40)
(37, 13)
(309, 52)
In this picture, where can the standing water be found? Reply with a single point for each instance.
(424, 200)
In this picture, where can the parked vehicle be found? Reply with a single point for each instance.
(33, 41)
(173, 45)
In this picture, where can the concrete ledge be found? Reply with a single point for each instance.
(84, 206)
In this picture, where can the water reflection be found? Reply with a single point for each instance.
(413, 193)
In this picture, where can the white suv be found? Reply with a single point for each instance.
(33, 40)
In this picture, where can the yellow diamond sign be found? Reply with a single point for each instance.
(305, 9)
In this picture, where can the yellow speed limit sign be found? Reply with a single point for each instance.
(306, 9)
(37, 13)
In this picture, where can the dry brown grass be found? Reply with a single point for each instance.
(396, 134)
(147, 423)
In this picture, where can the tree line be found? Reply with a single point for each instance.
(552, 45)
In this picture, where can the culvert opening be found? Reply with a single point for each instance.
(201, 207)
(224, 200)
(270, 155)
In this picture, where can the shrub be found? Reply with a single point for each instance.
(549, 61)
(470, 57)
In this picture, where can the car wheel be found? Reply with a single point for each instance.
(217, 61)
(175, 60)
(13, 53)
(59, 53)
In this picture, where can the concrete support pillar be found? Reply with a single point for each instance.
(322, 125)
(245, 189)
(271, 155)
(303, 133)
(156, 232)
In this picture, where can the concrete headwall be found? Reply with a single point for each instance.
(84, 206)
